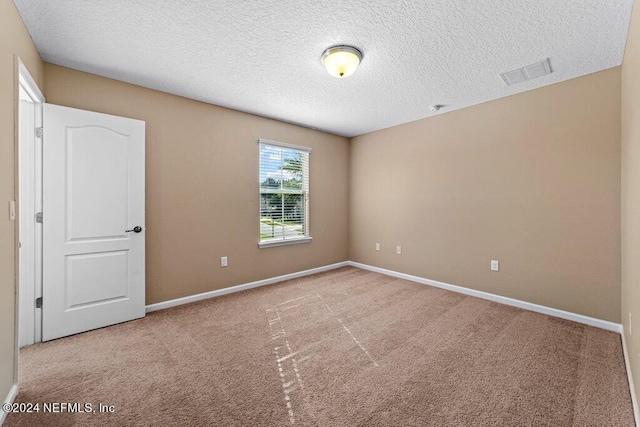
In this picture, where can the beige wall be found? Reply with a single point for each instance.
(631, 192)
(531, 180)
(14, 41)
(202, 186)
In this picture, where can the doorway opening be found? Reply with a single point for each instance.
(30, 105)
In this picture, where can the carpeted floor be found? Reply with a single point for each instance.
(343, 348)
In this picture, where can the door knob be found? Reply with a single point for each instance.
(135, 229)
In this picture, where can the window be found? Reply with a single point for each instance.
(284, 194)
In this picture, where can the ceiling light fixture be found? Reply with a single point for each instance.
(341, 61)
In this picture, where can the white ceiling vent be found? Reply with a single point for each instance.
(529, 72)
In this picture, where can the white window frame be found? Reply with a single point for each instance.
(281, 242)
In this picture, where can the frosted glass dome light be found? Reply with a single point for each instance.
(341, 61)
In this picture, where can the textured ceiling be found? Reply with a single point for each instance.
(263, 56)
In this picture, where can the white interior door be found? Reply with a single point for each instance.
(93, 197)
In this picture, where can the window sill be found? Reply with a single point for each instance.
(269, 244)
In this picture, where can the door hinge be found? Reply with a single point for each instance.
(39, 302)
(39, 132)
(39, 217)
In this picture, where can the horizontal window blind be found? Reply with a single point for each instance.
(284, 192)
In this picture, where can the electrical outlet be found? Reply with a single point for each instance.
(495, 265)
(223, 261)
(377, 246)
(630, 324)
(399, 250)
(12, 210)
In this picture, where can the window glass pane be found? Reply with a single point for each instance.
(292, 170)
(270, 216)
(293, 219)
(270, 167)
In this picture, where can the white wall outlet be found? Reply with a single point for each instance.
(495, 265)
(630, 324)
(223, 261)
(12, 210)
(399, 250)
(377, 246)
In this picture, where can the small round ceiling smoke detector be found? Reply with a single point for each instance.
(341, 61)
(436, 108)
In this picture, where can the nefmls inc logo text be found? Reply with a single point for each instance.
(67, 407)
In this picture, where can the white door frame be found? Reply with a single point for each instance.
(28, 318)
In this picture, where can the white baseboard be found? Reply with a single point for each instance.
(591, 321)
(13, 392)
(193, 298)
(632, 389)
